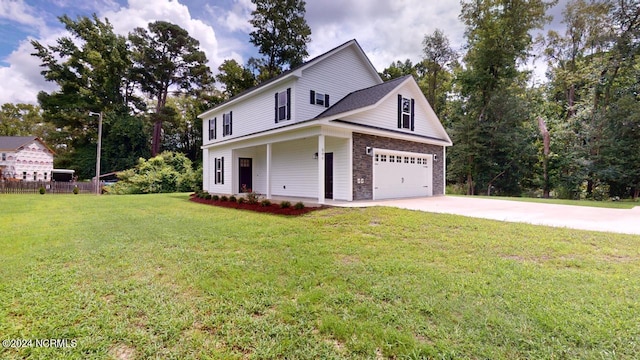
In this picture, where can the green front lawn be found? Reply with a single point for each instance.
(157, 276)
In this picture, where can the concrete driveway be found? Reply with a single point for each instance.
(575, 217)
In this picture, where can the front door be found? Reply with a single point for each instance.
(245, 175)
(328, 175)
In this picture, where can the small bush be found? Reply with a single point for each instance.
(265, 203)
(207, 197)
(215, 197)
(253, 197)
(42, 190)
(76, 190)
(232, 198)
(224, 198)
(285, 204)
(241, 200)
(299, 205)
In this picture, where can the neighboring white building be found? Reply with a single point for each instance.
(328, 129)
(25, 158)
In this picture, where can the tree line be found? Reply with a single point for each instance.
(150, 86)
(575, 135)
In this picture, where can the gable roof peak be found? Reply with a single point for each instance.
(292, 72)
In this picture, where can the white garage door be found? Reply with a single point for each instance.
(398, 174)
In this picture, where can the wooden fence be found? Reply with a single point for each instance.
(51, 187)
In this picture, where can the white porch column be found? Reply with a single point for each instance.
(269, 171)
(320, 169)
(205, 170)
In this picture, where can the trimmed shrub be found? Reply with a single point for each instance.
(285, 204)
(241, 200)
(232, 198)
(76, 190)
(265, 203)
(42, 190)
(207, 197)
(224, 198)
(167, 172)
(299, 205)
(215, 197)
(253, 197)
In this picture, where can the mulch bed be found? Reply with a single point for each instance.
(271, 209)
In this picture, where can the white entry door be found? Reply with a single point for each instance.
(399, 174)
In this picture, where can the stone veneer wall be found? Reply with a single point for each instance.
(363, 163)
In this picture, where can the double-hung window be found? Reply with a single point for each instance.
(283, 105)
(406, 113)
(227, 122)
(212, 129)
(317, 98)
(219, 170)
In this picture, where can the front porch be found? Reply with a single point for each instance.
(313, 166)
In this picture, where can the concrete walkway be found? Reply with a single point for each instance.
(626, 221)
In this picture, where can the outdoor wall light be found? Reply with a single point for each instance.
(369, 151)
(315, 156)
(435, 157)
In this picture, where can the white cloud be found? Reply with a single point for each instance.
(235, 19)
(387, 31)
(140, 13)
(21, 13)
(21, 81)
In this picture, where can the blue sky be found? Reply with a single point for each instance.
(388, 30)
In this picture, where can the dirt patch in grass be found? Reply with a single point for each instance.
(271, 209)
(122, 352)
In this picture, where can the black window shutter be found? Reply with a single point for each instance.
(288, 103)
(276, 108)
(230, 121)
(215, 170)
(222, 170)
(326, 100)
(399, 111)
(312, 97)
(413, 112)
(215, 120)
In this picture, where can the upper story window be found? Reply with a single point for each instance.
(406, 113)
(212, 128)
(4, 156)
(283, 105)
(317, 98)
(227, 122)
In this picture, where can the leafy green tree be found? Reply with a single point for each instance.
(398, 69)
(24, 120)
(494, 127)
(166, 57)
(92, 70)
(281, 34)
(439, 60)
(166, 172)
(235, 77)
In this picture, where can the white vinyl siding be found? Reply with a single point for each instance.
(294, 171)
(385, 116)
(254, 114)
(337, 76)
(211, 169)
(341, 167)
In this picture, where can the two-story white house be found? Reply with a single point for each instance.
(328, 129)
(25, 158)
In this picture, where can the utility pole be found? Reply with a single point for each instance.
(99, 147)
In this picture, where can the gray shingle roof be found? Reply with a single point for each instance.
(362, 98)
(11, 143)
